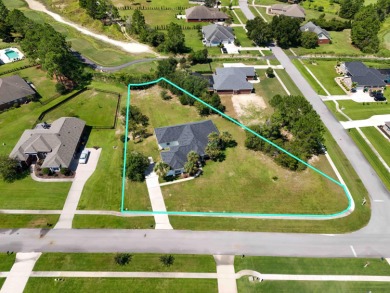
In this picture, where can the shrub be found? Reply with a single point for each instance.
(123, 258)
(60, 88)
(167, 260)
(46, 171)
(164, 95)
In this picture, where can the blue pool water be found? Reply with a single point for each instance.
(12, 54)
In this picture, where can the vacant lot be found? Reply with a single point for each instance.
(358, 111)
(380, 143)
(27, 221)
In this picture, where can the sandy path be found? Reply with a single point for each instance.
(128, 47)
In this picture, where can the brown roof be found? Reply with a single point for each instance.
(289, 10)
(13, 88)
(202, 12)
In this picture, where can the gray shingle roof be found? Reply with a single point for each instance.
(311, 27)
(233, 78)
(59, 142)
(363, 75)
(289, 10)
(189, 137)
(216, 33)
(202, 12)
(13, 88)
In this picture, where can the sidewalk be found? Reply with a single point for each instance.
(77, 274)
(226, 274)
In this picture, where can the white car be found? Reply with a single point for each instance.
(84, 157)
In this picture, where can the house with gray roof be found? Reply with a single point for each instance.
(322, 35)
(215, 35)
(203, 13)
(365, 77)
(178, 140)
(233, 80)
(55, 144)
(294, 10)
(14, 89)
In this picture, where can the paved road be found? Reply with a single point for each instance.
(245, 9)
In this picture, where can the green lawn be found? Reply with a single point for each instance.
(358, 111)
(154, 3)
(371, 157)
(312, 266)
(240, 34)
(380, 143)
(269, 87)
(14, 4)
(101, 285)
(13, 65)
(384, 37)
(241, 15)
(139, 263)
(244, 285)
(94, 107)
(27, 221)
(288, 82)
(332, 107)
(328, 7)
(316, 87)
(111, 222)
(2, 280)
(6, 262)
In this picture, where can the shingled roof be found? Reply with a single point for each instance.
(233, 78)
(204, 13)
(215, 33)
(182, 139)
(13, 88)
(363, 75)
(311, 27)
(294, 10)
(59, 142)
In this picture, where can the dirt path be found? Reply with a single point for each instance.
(130, 47)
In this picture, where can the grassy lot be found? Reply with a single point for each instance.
(357, 111)
(269, 87)
(27, 221)
(288, 82)
(380, 143)
(106, 222)
(13, 65)
(101, 285)
(332, 107)
(139, 263)
(263, 12)
(95, 107)
(308, 77)
(146, 67)
(312, 266)
(371, 157)
(241, 15)
(325, 73)
(154, 3)
(6, 261)
(2, 280)
(341, 45)
(328, 7)
(358, 219)
(240, 34)
(244, 285)
(384, 37)
(14, 4)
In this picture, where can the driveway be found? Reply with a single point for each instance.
(375, 120)
(245, 9)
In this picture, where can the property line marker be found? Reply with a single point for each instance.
(225, 214)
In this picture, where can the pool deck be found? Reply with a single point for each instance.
(4, 59)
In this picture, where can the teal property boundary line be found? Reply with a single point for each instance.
(227, 214)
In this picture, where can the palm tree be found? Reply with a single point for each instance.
(192, 157)
(191, 168)
(161, 169)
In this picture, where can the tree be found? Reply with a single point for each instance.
(161, 169)
(383, 9)
(193, 157)
(227, 140)
(175, 41)
(270, 72)
(365, 28)
(137, 164)
(191, 166)
(123, 258)
(166, 67)
(286, 31)
(200, 56)
(167, 260)
(3, 11)
(259, 31)
(210, 3)
(214, 152)
(138, 23)
(309, 40)
(348, 8)
(9, 168)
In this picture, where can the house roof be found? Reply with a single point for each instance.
(294, 10)
(216, 33)
(387, 124)
(203, 12)
(311, 27)
(363, 75)
(233, 78)
(59, 142)
(13, 88)
(189, 137)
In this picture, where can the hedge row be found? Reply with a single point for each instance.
(183, 27)
(18, 68)
(152, 8)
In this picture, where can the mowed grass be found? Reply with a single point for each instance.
(241, 15)
(13, 65)
(109, 222)
(312, 266)
(244, 285)
(371, 157)
(94, 107)
(313, 83)
(139, 285)
(332, 107)
(14, 4)
(139, 263)
(380, 143)
(6, 261)
(328, 7)
(288, 82)
(384, 37)
(269, 87)
(358, 111)
(27, 221)
(240, 34)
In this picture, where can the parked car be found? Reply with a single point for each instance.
(84, 157)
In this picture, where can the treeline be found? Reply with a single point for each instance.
(331, 24)
(101, 9)
(294, 126)
(153, 8)
(45, 46)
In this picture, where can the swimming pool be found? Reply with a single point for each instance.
(11, 54)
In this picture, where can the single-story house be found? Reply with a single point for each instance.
(14, 89)
(203, 13)
(233, 80)
(294, 10)
(215, 35)
(178, 140)
(54, 143)
(322, 35)
(365, 77)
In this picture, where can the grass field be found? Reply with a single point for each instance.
(380, 143)
(13, 65)
(139, 263)
(244, 285)
(384, 37)
(106, 222)
(100, 285)
(241, 15)
(328, 7)
(240, 34)
(94, 107)
(371, 157)
(316, 87)
(288, 82)
(332, 107)
(6, 261)
(358, 111)
(27, 221)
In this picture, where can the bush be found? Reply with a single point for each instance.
(137, 164)
(167, 260)
(164, 95)
(60, 88)
(46, 171)
(66, 171)
(123, 258)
